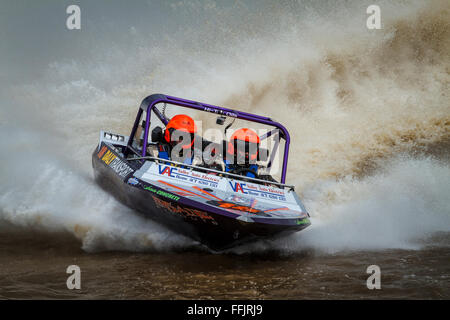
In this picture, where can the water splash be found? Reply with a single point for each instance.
(353, 101)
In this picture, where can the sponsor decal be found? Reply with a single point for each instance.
(237, 187)
(163, 193)
(222, 112)
(258, 190)
(238, 199)
(166, 170)
(119, 167)
(108, 157)
(303, 221)
(236, 206)
(102, 152)
(188, 213)
(189, 176)
(133, 181)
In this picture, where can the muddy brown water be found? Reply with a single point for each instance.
(33, 266)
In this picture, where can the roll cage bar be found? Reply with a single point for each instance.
(149, 103)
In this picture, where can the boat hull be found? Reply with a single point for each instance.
(214, 227)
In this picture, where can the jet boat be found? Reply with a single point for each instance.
(216, 208)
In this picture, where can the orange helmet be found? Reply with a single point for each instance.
(244, 145)
(180, 122)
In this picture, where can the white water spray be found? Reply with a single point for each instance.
(350, 98)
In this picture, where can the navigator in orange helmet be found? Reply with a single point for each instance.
(242, 153)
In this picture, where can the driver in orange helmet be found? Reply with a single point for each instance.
(178, 140)
(242, 153)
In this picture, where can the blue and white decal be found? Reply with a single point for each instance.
(133, 181)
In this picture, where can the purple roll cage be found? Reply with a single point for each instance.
(149, 103)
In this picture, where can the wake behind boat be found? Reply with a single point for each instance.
(213, 201)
